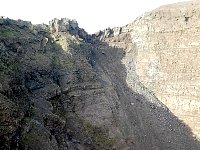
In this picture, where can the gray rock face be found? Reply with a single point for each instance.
(63, 25)
(144, 112)
(166, 42)
(108, 33)
(61, 88)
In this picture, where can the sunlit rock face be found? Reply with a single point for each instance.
(166, 58)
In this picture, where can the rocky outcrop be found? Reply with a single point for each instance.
(162, 53)
(61, 88)
(166, 61)
(63, 25)
(108, 33)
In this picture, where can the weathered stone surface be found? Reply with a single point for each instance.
(167, 43)
(164, 58)
(63, 25)
(72, 90)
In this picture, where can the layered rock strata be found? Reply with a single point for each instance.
(61, 88)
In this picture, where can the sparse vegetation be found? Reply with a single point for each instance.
(100, 137)
(63, 43)
(35, 139)
(7, 65)
(7, 32)
(57, 109)
(62, 63)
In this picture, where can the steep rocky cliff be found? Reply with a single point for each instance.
(167, 44)
(61, 88)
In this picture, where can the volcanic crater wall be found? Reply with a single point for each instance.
(166, 53)
(61, 88)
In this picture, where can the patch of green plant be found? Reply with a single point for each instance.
(62, 63)
(35, 139)
(8, 65)
(75, 45)
(57, 109)
(83, 48)
(7, 32)
(101, 138)
(41, 59)
(67, 64)
(28, 116)
(55, 61)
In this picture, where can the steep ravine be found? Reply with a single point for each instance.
(62, 89)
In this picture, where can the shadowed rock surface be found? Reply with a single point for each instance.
(61, 88)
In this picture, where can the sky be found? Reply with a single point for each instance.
(92, 15)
